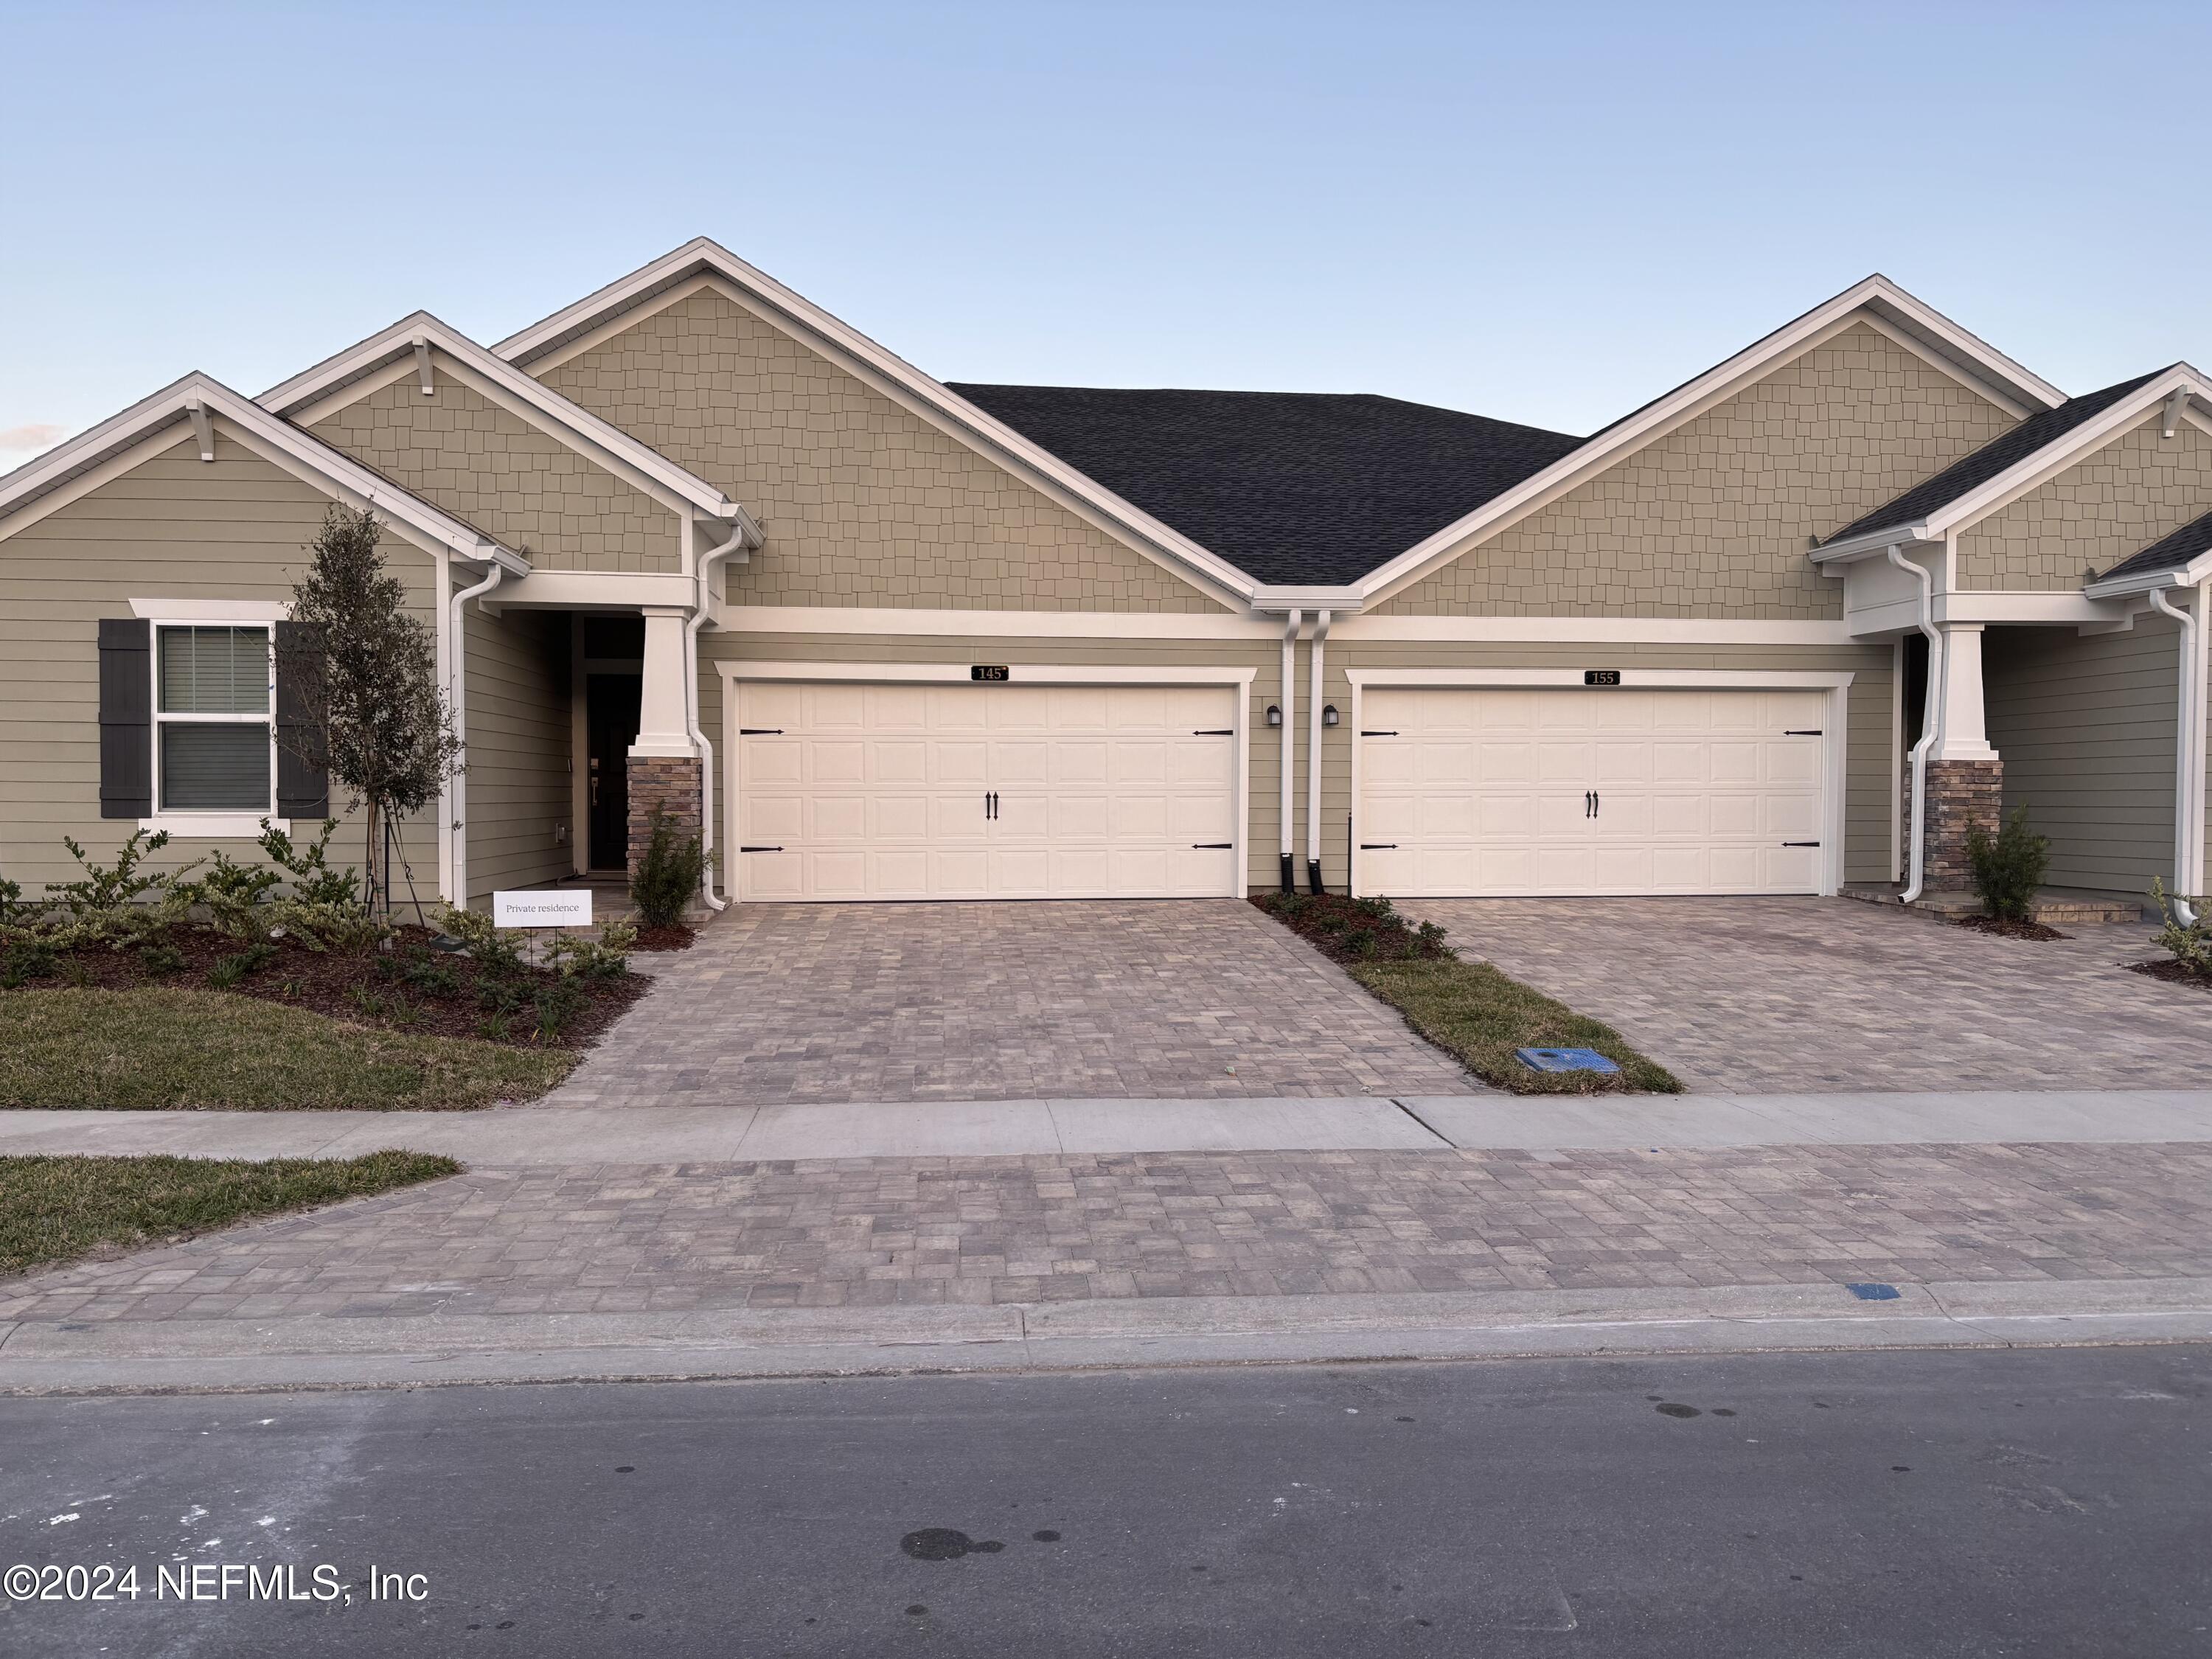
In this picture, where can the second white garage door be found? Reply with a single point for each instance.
(959, 791)
(1621, 791)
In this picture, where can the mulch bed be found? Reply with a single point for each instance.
(2173, 972)
(2005, 929)
(674, 937)
(1352, 930)
(407, 986)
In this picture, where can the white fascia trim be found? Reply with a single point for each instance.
(495, 378)
(2145, 581)
(842, 343)
(1339, 602)
(591, 590)
(2054, 609)
(1593, 630)
(1876, 292)
(1876, 544)
(212, 611)
(275, 439)
(995, 625)
(214, 826)
(931, 674)
(1688, 679)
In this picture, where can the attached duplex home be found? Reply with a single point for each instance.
(693, 543)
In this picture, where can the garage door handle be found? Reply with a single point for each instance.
(1800, 843)
(1378, 846)
(1801, 734)
(759, 849)
(1212, 846)
(1378, 734)
(760, 731)
(1216, 731)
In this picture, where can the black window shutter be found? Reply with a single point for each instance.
(303, 787)
(126, 718)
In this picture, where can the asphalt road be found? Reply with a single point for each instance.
(2033, 1502)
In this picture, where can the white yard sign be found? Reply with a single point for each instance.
(556, 908)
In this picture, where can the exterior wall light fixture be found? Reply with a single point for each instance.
(1274, 713)
(1328, 715)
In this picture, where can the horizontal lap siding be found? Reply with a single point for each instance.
(2086, 727)
(174, 527)
(519, 729)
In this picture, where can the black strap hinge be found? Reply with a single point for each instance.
(1217, 732)
(1378, 734)
(1801, 734)
(1800, 843)
(1378, 846)
(1212, 846)
(759, 849)
(760, 731)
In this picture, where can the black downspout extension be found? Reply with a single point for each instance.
(1290, 875)
(1313, 878)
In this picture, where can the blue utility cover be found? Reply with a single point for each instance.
(1873, 1292)
(1565, 1059)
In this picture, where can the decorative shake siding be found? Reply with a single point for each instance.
(863, 503)
(2085, 726)
(2114, 503)
(1713, 519)
(498, 473)
(175, 528)
(519, 730)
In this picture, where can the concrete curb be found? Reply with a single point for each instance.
(186, 1355)
(735, 1133)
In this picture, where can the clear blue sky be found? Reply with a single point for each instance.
(1544, 212)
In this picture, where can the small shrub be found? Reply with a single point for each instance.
(120, 904)
(668, 875)
(493, 948)
(27, 958)
(159, 958)
(236, 895)
(233, 970)
(497, 993)
(2007, 869)
(496, 1027)
(15, 911)
(423, 972)
(604, 957)
(2190, 942)
(555, 1004)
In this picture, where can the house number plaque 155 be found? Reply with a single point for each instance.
(1601, 677)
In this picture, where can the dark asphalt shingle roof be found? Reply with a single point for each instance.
(1977, 467)
(1291, 487)
(2168, 552)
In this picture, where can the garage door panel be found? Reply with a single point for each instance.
(1696, 790)
(880, 790)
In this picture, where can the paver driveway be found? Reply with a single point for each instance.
(1778, 995)
(1170, 999)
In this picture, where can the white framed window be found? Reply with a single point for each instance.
(215, 725)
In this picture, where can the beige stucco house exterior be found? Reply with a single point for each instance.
(692, 542)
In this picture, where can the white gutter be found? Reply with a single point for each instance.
(1313, 758)
(742, 535)
(2188, 768)
(1290, 735)
(1930, 722)
(457, 697)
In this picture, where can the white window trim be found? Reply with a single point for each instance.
(229, 824)
(928, 673)
(182, 612)
(1835, 730)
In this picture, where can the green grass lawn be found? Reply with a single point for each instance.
(56, 1209)
(1479, 1015)
(170, 1047)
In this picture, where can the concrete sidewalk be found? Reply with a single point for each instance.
(714, 1134)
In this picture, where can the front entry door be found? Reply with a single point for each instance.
(612, 707)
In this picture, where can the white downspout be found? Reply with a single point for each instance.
(1931, 721)
(1289, 743)
(456, 698)
(2189, 771)
(1313, 758)
(708, 560)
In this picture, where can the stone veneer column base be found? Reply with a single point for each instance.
(1958, 791)
(671, 783)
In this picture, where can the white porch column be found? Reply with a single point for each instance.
(663, 720)
(1961, 726)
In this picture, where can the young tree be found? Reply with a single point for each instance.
(374, 716)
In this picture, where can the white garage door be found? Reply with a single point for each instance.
(932, 792)
(1617, 791)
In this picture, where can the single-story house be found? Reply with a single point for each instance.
(693, 542)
